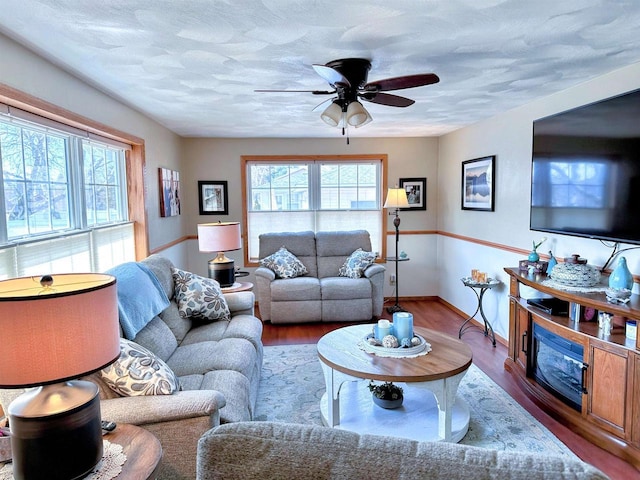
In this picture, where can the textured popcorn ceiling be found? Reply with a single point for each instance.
(193, 65)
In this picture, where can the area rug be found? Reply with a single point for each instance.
(292, 385)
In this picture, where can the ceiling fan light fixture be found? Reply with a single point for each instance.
(332, 115)
(357, 115)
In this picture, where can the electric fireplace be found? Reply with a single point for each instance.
(558, 366)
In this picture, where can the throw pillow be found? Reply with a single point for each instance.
(139, 372)
(199, 298)
(284, 264)
(355, 265)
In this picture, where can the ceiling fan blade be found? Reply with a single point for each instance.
(331, 75)
(315, 92)
(399, 83)
(387, 99)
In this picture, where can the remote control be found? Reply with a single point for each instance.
(108, 426)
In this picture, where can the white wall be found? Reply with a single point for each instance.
(219, 159)
(25, 71)
(509, 137)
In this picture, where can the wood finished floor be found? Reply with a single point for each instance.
(436, 315)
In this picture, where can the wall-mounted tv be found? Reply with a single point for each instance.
(585, 177)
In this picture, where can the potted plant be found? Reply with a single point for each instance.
(386, 395)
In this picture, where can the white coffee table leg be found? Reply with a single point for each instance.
(445, 391)
(333, 380)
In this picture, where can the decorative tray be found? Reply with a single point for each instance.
(470, 282)
(396, 352)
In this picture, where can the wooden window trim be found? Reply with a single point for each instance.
(382, 157)
(135, 157)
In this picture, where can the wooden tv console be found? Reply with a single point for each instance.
(610, 412)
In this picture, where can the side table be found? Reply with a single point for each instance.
(396, 307)
(142, 448)
(479, 288)
(238, 287)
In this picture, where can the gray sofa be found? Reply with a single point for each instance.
(218, 366)
(320, 295)
(275, 451)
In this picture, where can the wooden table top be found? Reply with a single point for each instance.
(142, 449)
(448, 356)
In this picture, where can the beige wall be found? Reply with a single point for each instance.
(23, 70)
(219, 159)
(509, 137)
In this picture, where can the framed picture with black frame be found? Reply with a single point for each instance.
(213, 197)
(416, 189)
(478, 184)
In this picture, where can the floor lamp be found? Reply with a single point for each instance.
(396, 199)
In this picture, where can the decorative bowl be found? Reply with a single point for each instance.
(618, 296)
(575, 274)
(388, 404)
(398, 351)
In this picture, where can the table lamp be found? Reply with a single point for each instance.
(396, 199)
(220, 237)
(54, 330)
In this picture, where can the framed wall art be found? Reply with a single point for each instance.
(478, 184)
(169, 192)
(416, 189)
(213, 197)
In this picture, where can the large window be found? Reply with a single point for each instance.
(63, 197)
(285, 194)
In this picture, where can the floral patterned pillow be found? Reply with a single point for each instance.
(355, 265)
(199, 298)
(284, 264)
(139, 372)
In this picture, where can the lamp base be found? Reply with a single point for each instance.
(222, 272)
(56, 432)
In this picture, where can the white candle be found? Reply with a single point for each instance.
(383, 329)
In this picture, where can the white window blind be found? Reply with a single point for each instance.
(91, 251)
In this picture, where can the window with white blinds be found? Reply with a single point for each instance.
(63, 195)
(319, 194)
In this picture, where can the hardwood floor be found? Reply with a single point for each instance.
(436, 315)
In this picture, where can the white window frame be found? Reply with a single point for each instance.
(314, 217)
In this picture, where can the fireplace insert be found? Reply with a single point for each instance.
(558, 366)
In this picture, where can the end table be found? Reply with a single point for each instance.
(142, 448)
(479, 288)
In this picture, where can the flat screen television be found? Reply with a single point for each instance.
(585, 177)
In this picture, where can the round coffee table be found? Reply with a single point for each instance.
(433, 415)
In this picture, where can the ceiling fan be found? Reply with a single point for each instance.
(348, 79)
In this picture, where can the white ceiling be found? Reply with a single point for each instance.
(193, 65)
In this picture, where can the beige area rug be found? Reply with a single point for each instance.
(292, 385)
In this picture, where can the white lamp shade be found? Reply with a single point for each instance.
(57, 333)
(396, 198)
(332, 115)
(219, 237)
(357, 115)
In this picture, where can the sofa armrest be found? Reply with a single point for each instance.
(149, 409)
(241, 303)
(266, 273)
(374, 269)
(264, 277)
